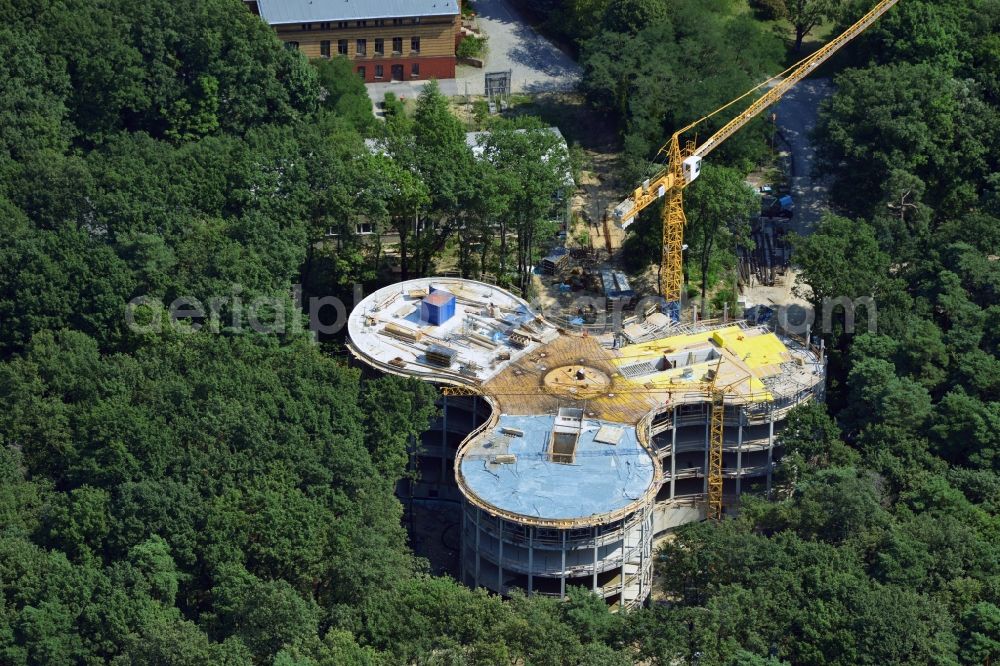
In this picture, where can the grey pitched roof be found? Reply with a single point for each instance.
(277, 12)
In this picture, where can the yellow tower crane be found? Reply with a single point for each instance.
(683, 165)
(717, 397)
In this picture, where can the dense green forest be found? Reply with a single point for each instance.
(219, 497)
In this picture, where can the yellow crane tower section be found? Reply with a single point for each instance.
(683, 165)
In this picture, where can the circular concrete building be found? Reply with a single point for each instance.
(568, 453)
(557, 500)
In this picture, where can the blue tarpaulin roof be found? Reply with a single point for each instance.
(602, 478)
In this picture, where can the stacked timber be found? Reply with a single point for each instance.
(402, 332)
(555, 262)
(441, 355)
(519, 340)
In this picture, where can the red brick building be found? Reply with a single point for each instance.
(387, 40)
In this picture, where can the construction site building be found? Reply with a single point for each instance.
(570, 454)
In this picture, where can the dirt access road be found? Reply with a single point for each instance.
(797, 114)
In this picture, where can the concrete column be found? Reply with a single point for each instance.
(770, 450)
(708, 443)
(444, 439)
(642, 556)
(461, 545)
(673, 455)
(531, 559)
(444, 423)
(562, 571)
(500, 558)
(478, 531)
(621, 584)
(649, 551)
(739, 456)
(595, 560)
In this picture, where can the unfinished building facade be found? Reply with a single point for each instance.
(569, 454)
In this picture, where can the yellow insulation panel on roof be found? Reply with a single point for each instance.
(758, 354)
(758, 392)
(674, 343)
(756, 351)
(674, 378)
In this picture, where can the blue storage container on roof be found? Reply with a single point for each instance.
(438, 307)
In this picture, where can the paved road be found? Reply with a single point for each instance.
(797, 114)
(536, 64)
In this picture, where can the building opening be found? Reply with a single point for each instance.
(565, 434)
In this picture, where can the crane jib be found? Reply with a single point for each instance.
(624, 213)
(683, 166)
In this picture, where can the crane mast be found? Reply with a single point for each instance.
(683, 165)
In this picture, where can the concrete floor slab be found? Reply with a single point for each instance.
(602, 477)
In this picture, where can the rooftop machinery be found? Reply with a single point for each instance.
(683, 165)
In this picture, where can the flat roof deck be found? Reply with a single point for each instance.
(390, 330)
(601, 479)
(639, 381)
(497, 346)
